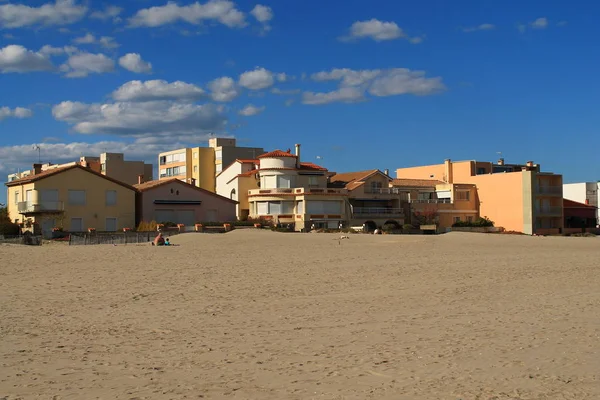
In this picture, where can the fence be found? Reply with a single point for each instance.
(28, 240)
(78, 239)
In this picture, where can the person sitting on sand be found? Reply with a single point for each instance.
(167, 243)
(158, 240)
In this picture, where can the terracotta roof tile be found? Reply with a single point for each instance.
(347, 177)
(354, 185)
(311, 166)
(415, 182)
(276, 154)
(247, 161)
(248, 173)
(574, 204)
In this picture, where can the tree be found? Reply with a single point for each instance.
(7, 227)
(427, 216)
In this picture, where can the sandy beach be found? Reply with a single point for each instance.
(261, 315)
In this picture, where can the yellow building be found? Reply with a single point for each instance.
(200, 165)
(517, 197)
(74, 198)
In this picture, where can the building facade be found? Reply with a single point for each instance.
(200, 165)
(235, 181)
(583, 192)
(296, 193)
(579, 216)
(181, 203)
(74, 198)
(112, 165)
(517, 197)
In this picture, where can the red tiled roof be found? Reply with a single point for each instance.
(248, 173)
(415, 182)
(276, 154)
(574, 204)
(347, 177)
(56, 171)
(311, 166)
(247, 161)
(354, 185)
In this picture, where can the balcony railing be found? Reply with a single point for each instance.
(552, 190)
(549, 211)
(296, 191)
(431, 201)
(377, 211)
(29, 207)
(388, 190)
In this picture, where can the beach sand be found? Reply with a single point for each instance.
(260, 315)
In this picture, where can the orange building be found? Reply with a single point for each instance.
(517, 197)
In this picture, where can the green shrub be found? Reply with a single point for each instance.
(477, 223)
(9, 228)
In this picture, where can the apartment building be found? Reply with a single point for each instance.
(112, 165)
(583, 192)
(202, 164)
(74, 198)
(235, 181)
(295, 192)
(518, 197)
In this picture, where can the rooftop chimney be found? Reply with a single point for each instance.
(501, 161)
(140, 179)
(530, 163)
(387, 172)
(37, 168)
(297, 155)
(448, 171)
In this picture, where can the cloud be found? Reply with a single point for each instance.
(251, 110)
(48, 50)
(285, 92)
(133, 62)
(341, 95)
(18, 112)
(354, 84)
(259, 78)
(108, 13)
(61, 12)
(141, 119)
(16, 58)
(561, 23)
(223, 11)
(482, 27)
(282, 77)
(80, 65)
(540, 23)
(223, 89)
(264, 15)
(158, 90)
(105, 41)
(378, 31)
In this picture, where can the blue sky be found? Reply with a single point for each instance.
(363, 84)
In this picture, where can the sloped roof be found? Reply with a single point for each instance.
(276, 154)
(51, 172)
(312, 166)
(247, 161)
(146, 186)
(415, 182)
(574, 204)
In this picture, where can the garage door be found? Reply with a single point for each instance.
(161, 216)
(186, 217)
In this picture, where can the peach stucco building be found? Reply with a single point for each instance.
(516, 197)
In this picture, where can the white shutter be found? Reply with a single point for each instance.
(274, 207)
(270, 182)
(111, 197)
(283, 181)
(77, 197)
(300, 209)
(262, 208)
(287, 207)
(443, 194)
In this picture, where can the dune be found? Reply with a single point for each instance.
(260, 315)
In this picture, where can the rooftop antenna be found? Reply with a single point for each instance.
(499, 153)
(39, 150)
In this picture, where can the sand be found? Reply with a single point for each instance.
(262, 315)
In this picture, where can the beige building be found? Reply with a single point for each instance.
(112, 165)
(296, 193)
(200, 165)
(74, 198)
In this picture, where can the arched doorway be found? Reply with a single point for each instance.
(232, 194)
(370, 226)
(393, 224)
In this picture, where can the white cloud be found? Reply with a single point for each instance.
(18, 112)
(561, 23)
(264, 15)
(540, 23)
(61, 12)
(158, 90)
(378, 30)
(223, 89)
(285, 92)
(48, 50)
(259, 78)
(141, 119)
(341, 95)
(108, 13)
(282, 77)
(354, 84)
(105, 41)
(133, 62)
(482, 27)
(251, 110)
(223, 11)
(82, 64)
(16, 58)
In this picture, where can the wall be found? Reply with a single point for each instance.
(201, 162)
(95, 211)
(225, 209)
(174, 164)
(125, 171)
(460, 171)
(230, 154)
(13, 209)
(575, 192)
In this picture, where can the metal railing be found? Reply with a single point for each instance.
(550, 211)
(388, 190)
(554, 190)
(84, 238)
(377, 211)
(431, 201)
(39, 207)
(27, 240)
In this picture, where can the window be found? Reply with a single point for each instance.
(274, 208)
(103, 167)
(300, 207)
(262, 208)
(269, 182)
(425, 195)
(284, 181)
(162, 160)
(456, 219)
(111, 225)
(195, 154)
(469, 219)
(463, 195)
(163, 172)
(76, 225)
(480, 171)
(111, 197)
(287, 207)
(313, 181)
(376, 185)
(77, 197)
(16, 197)
(219, 168)
(219, 155)
(324, 207)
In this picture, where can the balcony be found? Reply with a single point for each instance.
(549, 190)
(296, 191)
(29, 207)
(388, 190)
(372, 211)
(431, 201)
(552, 211)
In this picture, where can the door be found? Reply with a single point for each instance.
(111, 224)
(47, 226)
(211, 215)
(186, 217)
(161, 216)
(76, 225)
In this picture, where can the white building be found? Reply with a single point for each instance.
(235, 181)
(583, 192)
